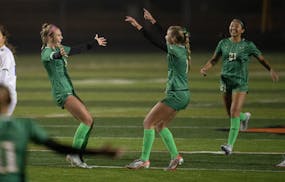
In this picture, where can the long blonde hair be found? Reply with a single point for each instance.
(46, 32)
(181, 36)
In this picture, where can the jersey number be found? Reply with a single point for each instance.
(7, 158)
(232, 56)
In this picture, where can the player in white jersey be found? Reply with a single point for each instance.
(8, 67)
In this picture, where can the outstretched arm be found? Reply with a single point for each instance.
(209, 64)
(145, 33)
(265, 64)
(64, 149)
(101, 41)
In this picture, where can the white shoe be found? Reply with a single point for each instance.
(282, 164)
(244, 123)
(76, 161)
(174, 163)
(227, 149)
(138, 163)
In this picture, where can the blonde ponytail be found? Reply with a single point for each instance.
(187, 45)
(44, 34)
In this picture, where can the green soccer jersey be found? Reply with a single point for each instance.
(14, 137)
(57, 71)
(177, 68)
(235, 58)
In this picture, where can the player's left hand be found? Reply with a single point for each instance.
(101, 40)
(62, 51)
(274, 75)
(203, 71)
(147, 15)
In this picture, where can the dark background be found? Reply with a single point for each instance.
(79, 20)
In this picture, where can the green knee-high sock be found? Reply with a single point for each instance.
(168, 141)
(81, 135)
(148, 139)
(87, 137)
(235, 124)
(242, 116)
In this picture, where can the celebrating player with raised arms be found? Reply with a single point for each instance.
(176, 45)
(235, 52)
(8, 68)
(54, 57)
(15, 134)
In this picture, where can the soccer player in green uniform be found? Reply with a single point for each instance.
(235, 52)
(54, 58)
(177, 90)
(15, 134)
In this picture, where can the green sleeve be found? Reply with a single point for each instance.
(171, 49)
(254, 51)
(47, 54)
(218, 50)
(37, 134)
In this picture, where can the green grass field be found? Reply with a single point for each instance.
(119, 90)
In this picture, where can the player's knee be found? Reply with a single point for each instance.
(88, 120)
(147, 124)
(235, 112)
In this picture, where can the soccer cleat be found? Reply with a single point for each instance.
(138, 163)
(282, 164)
(75, 161)
(174, 163)
(244, 123)
(227, 149)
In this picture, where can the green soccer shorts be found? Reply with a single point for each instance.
(177, 100)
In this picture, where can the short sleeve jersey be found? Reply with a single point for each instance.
(177, 68)
(57, 71)
(7, 63)
(14, 137)
(235, 58)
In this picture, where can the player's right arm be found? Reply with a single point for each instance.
(39, 136)
(66, 149)
(146, 34)
(214, 59)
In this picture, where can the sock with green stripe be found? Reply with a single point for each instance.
(148, 139)
(234, 130)
(87, 137)
(169, 142)
(81, 136)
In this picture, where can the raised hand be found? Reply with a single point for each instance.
(133, 22)
(101, 40)
(148, 16)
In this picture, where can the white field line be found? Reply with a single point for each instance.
(188, 152)
(117, 81)
(127, 126)
(140, 138)
(197, 169)
(190, 117)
